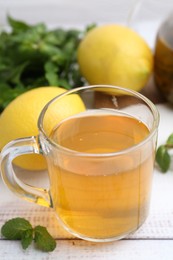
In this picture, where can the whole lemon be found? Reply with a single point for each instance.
(115, 55)
(19, 119)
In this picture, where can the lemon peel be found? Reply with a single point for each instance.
(115, 55)
(19, 119)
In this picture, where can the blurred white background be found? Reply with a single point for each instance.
(72, 12)
(143, 15)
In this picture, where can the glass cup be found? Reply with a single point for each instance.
(100, 161)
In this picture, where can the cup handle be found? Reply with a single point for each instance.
(13, 149)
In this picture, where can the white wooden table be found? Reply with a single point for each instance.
(154, 240)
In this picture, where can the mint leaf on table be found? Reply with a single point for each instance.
(27, 238)
(43, 239)
(170, 141)
(163, 157)
(21, 229)
(14, 228)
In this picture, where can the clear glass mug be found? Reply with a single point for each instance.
(100, 161)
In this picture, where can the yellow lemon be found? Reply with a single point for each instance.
(20, 117)
(115, 55)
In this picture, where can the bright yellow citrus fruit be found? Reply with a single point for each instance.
(115, 55)
(19, 119)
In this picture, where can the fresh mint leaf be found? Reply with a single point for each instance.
(164, 154)
(17, 26)
(43, 239)
(8, 94)
(16, 73)
(27, 238)
(169, 141)
(21, 229)
(55, 37)
(64, 83)
(14, 228)
(51, 73)
(26, 50)
(163, 158)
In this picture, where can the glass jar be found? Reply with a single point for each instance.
(163, 59)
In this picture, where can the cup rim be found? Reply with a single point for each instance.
(150, 104)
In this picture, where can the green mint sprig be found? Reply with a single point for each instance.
(163, 157)
(21, 229)
(34, 55)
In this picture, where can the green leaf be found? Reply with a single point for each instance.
(51, 73)
(64, 84)
(8, 94)
(17, 26)
(33, 56)
(16, 73)
(55, 37)
(170, 140)
(21, 229)
(90, 27)
(163, 158)
(27, 237)
(43, 239)
(14, 228)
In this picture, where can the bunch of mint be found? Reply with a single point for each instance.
(21, 229)
(34, 56)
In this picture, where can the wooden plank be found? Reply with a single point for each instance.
(78, 249)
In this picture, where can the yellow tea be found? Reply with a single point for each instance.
(96, 193)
